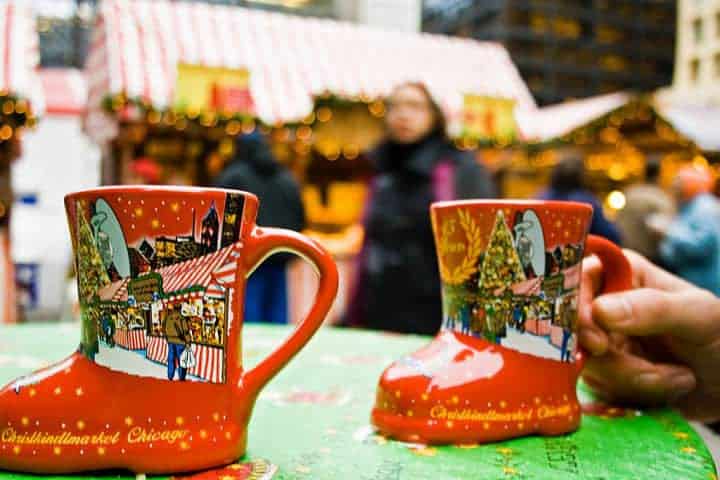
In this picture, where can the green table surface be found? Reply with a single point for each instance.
(312, 420)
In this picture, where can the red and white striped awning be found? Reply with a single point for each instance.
(115, 292)
(20, 54)
(197, 272)
(528, 287)
(65, 91)
(137, 45)
(225, 275)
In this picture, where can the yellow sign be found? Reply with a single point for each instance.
(143, 288)
(199, 88)
(489, 118)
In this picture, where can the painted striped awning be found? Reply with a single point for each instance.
(115, 292)
(528, 287)
(137, 45)
(225, 275)
(196, 272)
(20, 54)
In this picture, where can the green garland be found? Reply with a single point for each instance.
(114, 104)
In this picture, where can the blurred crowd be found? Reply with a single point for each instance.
(416, 164)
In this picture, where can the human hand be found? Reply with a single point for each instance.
(656, 344)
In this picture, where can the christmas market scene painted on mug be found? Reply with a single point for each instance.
(157, 384)
(518, 292)
(153, 279)
(506, 361)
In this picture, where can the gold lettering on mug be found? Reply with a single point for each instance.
(141, 435)
(440, 412)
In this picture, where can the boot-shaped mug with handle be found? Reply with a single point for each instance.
(506, 362)
(157, 384)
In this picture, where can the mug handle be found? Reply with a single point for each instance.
(262, 243)
(617, 272)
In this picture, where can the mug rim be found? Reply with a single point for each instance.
(511, 203)
(156, 189)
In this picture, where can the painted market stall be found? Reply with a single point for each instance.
(40, 182)
(133, 311)
(615, 134)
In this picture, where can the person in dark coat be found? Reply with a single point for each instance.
(398, 284)
(176, 333)
(567, 183)
(254, 169)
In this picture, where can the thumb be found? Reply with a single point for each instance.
(692, 315)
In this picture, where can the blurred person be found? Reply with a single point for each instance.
(397, 285)
(691, 242)
(567, 183)
(657, 344)
(644, 202)
(253, 168)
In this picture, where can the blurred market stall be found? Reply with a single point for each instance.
(615, 134)
(57, 158)
(171, 83)
(21, 99)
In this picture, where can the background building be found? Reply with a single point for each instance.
(697, 61)
(402, 15)
(571, 48)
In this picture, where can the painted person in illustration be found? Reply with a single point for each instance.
(108, 329)
(176, 333)
(465, 319)
(524, 247)
(477, 324)
(568, 312)
(519, 315)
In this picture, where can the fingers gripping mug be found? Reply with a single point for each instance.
(157, 384)
(506, 360)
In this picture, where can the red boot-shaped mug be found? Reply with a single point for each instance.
(506, 361)
(157, 384)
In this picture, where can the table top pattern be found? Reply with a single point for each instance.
(312, 421)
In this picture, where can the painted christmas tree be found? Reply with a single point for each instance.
(92, 276)
(501, 266)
